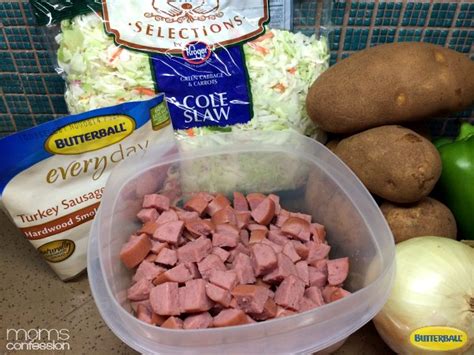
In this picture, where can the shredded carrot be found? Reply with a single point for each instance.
(267, 35)
(190, 132)
(145, 91)
(279, 87)
(259, 48)
(291, 70)
(116, 54)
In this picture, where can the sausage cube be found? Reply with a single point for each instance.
(195, 297)
(297, 228)
(269, 311)
(179, 273)
(316, 278)
(219, 202)
(256, 236)
(194, 251)
(147, 215)
(230, 317)
(338, 270)
(173, 323)
(254, 199)
(164, 299)
(224, 216)
(147, 270)
(225, 279)
(169, 232)
(290, 251)
(303, 271)
(160, 202)
(167, 216)
(264, 212)
(221, 253)
(242, 266)
(290, 292)
(218, 294)
(167, 257)
(315, 295)
(198, 321)
(197, 204)
(135, 250)
(284, 269)
(140, 290)
(263, 259)
(317, 251)
(210, 263)
(250, 298)
(240, 202)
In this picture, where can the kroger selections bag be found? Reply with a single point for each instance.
(52, 176)
(220, 66)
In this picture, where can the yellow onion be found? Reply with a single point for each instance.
(434, 286)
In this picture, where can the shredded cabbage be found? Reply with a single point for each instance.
(281, 66)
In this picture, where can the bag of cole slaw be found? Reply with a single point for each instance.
(220, 64)
(53, 175)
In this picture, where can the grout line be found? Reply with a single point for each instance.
(428, 17)
(347, 10)
(372, 23)
(38, 63)
(453, 24)
(400, 20)
(7, 41)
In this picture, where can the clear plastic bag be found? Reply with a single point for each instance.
(252, 77)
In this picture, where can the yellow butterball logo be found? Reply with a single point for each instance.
(439, 338)
(90, 134)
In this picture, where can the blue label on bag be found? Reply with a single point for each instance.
(204, 87)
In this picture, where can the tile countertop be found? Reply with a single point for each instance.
(33, 297)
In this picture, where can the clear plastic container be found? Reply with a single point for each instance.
(308, 178)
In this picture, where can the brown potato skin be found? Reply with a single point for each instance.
(427, 217)
(393, 162)
(390, 84)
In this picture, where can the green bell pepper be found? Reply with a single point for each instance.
(457, 178)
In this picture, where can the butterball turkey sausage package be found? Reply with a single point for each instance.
(52, 176)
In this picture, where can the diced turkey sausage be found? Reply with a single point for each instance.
(250, 298)
(240, 202)
(297, 228)
(219, 202)
(338, 270)
(166, 257)
(135, 250)
(140, 290)
(147, 215)
(199, 227)
(264, 212)
(173, 323)
(218, 294)
(290, 292)
(164, 299)
(197, 204)
(167, 216)
(230, 317)
(160, 202)
(210, 263)
(254, 199)
(194, 251)
(198, 321)
(257, 236)
(169, 232)
(195, 297)
(225, 279)
(263, 259)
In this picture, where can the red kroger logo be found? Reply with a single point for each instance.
(196, 52)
